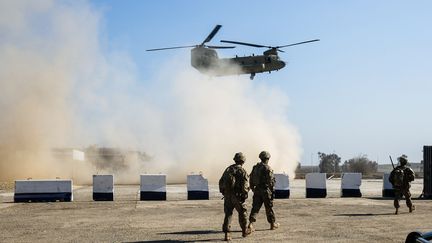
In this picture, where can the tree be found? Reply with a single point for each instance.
(360, 164)
(329, 163)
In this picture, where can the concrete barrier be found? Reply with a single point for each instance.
(153, 187)
(387, 186)
(316, 185)
(43, 190)
(282, 189)
(350, 185)
(103, 187)
(197, 187)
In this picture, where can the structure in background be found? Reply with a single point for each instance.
(427, 177)
(43, 190)
(350, 186)
(388, 190)
(282, 186)
(197, 187)
(316, 186)
(153, 187)
(103, 187)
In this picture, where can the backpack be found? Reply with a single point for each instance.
(409, 175)
(227, 181)
(254, 178)
(397, 177)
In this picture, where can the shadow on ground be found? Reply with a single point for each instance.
(191, 232)
(363, 214)
(175, 241)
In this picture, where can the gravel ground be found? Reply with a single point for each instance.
(6, 186)
(331, 219)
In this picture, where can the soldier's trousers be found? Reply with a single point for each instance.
(231, 202)
(398, 196)
(260, 198)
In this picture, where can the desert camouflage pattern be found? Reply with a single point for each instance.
(235, 198)
(263, 188)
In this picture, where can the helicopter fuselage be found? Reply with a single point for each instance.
(207, 61)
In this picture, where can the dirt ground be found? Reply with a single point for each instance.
(331, 219)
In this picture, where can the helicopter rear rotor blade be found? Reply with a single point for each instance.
(212, 34)
(243, 43)
(299, 43)
(168, 48)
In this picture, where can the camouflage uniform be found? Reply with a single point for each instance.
(403, 190)
(236, 196)
(262, 184)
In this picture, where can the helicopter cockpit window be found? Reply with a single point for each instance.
(268, 59)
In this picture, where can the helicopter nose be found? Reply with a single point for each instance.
(282, 64)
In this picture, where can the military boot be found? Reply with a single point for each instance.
(397, 211)
(227, 236)
(250, 227)
(412, 208)
(274, 226)
(246, 232)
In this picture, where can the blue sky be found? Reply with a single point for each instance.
(363, 89)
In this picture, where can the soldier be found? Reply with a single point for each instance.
(234, 187)
(401, 178)
(262, 184)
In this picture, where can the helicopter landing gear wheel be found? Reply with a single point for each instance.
(252, 76)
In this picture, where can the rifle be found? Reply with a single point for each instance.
(391, 161)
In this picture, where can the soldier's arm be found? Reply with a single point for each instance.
(270, 179)
(246, 181)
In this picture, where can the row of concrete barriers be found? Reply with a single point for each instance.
(153, 187)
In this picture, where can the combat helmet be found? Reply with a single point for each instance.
(239, 158)
(264, 155)
(403, 160)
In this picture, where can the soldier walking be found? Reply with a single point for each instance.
(234, 187)
(401, 178)
(262, 184)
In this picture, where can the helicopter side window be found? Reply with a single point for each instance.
(268, 60)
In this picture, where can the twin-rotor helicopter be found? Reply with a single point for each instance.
(205, 59)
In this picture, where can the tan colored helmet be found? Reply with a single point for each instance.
(239, 157)
(264, 155)
(403, 160)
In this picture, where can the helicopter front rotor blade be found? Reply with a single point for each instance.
(212, 34)
(299, 43)
(243, 43)
(220, 47)
(168, 48)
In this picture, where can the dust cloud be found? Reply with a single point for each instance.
(62, 87)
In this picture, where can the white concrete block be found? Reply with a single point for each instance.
(316, 186)
(351, 180)
(197, 187)
(316, 180)
(43, 190)
(153, 187)
(388, 190)
(103, 187)
(282, 189)
(350, 185)
(282, 182)
(103, 183)
(386, 182)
